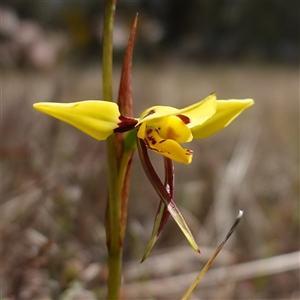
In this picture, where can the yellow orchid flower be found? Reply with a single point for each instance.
(162, 128)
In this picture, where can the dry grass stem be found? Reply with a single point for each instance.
(215, 277)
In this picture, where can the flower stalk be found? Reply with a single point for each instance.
(113, 216)
(120, 150)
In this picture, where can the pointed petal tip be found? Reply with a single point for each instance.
(251, 101)
(40, 106)
(36, 105)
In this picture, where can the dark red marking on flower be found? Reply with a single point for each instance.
(149, 146)
(125, 124)
(162, 141)
(152, 111)
(152, 140)
(148, 131)
(184, 119)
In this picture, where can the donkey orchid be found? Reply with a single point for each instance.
(159, 128)
(162, 128)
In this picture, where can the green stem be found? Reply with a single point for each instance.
(109, 14)
(114, 244)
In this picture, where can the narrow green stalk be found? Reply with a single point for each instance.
(109, 14)
(114, 244)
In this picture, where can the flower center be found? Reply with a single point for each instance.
(174, 128)
(166, 128)
(164, 135)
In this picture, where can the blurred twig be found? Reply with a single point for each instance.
(215, 277)
(213, 257)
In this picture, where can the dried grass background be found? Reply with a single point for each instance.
(54, 188)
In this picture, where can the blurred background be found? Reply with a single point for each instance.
(54, 184)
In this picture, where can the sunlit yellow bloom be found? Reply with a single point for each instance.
(162, 128)
(95, 118)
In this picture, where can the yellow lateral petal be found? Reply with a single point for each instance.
(199, 112)
(95, 118)
(196, 113)
(227, 111)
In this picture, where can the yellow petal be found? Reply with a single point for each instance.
(95, 118)
(227, 111)
(156, 112)
(166, 147)
(198, 113)
(192, 115)
(174, 151)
